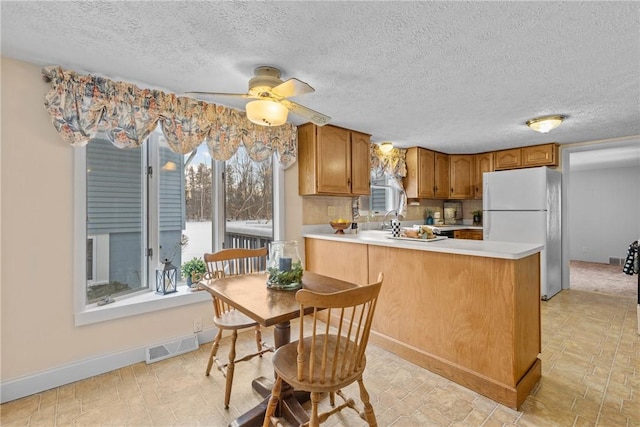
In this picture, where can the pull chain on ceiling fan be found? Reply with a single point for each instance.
(271, 105)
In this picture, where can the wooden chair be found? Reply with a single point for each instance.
(330, 358)
(228, 262)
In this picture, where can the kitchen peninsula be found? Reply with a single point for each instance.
(467, 310)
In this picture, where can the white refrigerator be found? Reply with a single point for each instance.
(523, 205)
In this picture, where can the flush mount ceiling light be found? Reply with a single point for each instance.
(546, 123)
(267, 113)
(385, 147)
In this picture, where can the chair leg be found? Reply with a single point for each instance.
(369, 415)
(214, 350)
(259, 338)
(314, 421)
(273, 402)
(230, 368)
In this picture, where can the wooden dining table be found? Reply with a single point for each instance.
(249, 294)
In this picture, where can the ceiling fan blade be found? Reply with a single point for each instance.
(292, 87)
(236, 95)
(306, 112)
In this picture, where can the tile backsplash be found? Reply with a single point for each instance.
(322, 209)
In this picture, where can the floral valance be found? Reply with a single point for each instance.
(80, 106)
(392, 165)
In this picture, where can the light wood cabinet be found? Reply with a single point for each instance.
(439, 311)
(468, 234)
(525, 157)
(540, 155)
(483, 163)
(419, 182)
(333, 161)
(508, 159)
(427, 174)
(461, 174)
(360, 163)
(441, 175)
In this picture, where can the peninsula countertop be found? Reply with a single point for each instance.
(481, 248)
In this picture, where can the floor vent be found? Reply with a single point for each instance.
(615, 261)
(170, 349)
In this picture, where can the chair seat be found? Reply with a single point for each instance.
(284, 362)
(234, 319)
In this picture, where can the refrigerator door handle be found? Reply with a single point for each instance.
(486, 225)
(485, 195)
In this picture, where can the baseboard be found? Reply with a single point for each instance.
(59, 376)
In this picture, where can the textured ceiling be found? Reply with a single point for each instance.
(450, 76)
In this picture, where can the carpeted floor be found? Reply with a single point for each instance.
(603, 278)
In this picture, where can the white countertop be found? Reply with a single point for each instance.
(487, 249)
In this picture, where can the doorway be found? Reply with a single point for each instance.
(601, 208)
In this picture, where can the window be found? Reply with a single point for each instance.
(148, 204)
(115, 226)
(384, 197)
(248, 210)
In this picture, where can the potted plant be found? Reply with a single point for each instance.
(196, 265)
(477, 217)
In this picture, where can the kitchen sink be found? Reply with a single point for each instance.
(374, 234)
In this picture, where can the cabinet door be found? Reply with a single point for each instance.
(419, 181)
(441, 175)
(426, 183)
(461, 172)
(360, 164)
(540, 155)
(508, 159)
(483, 163)
(334, 160)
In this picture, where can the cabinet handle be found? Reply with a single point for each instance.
(451, 190)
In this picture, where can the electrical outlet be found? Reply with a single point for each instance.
(331, 211)
(197, 325)
(585, 249)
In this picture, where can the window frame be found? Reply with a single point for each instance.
(146, 301)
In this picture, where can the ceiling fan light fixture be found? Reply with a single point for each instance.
(385, 147)
(266, 113)
(546, 123)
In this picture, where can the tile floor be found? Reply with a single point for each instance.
(590, 377)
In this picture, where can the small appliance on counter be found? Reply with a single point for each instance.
(452, 213)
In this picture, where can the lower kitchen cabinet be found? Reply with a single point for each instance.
(474, 320)
(468, 234)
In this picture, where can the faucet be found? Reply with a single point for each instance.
(385, 225)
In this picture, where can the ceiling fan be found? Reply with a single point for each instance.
(271, 105)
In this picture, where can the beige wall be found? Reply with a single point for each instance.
(36, 214)
(37, 318)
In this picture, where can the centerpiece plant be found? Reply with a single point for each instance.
(284, 278)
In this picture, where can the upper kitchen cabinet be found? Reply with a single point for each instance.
(508, 159)
(461, 175)
(427, 174)
(441, 175)
(333, 161)
(540, 155)
(483, 163)
(536, 155)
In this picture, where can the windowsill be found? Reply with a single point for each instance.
(144, 303)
